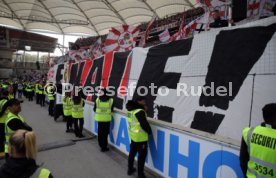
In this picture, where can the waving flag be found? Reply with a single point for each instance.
(164, 36)
(253, 8)
(181, 32)
(72, 54)
(221, 5)
(121, 38)
(96, 49)
(144, 38)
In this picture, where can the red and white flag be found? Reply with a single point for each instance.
(164, 36)
(198, 25)
(72, 54)
(221, 5)
(180, 34)
(96, 49)
(144, 37)
(253, 8)
(82, 53)
(122, 38)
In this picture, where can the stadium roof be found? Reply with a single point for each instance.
(93, 17)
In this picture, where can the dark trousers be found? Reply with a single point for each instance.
(2, 137)
(30, 96)
(103, 131)
(19, 94)
(42, 100)
(51, 107)
(14, 93)
(142, 149)
(69, 122)
(37, 98)
(78, 126)
(58, 111)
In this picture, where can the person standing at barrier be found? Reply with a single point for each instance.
(77, 115)
(58, 111)
(103, 109)
(139, 131)
(258, 147)
(22, 161)
(67, 111)
(14, 121)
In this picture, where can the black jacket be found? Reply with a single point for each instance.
(18, 168)
(4, 107)
(104, 98)
(16, 124)
(141, 116)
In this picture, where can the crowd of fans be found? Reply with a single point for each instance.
(164, 22)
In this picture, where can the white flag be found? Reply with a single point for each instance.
(164, 36)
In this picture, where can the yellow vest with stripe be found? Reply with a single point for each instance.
(50, 94)
(77, 110)
(10, 96)
(41, 173)
(103, 110)
(261, 144)
(5, 86)
(40, 89)
(4, 116)
(9, 131)
(29, 88)
(36, 88)
(137, 134)
(67, 106)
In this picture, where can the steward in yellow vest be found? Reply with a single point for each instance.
(37, 93)
(258, 148)
(30, 91)
(22, 162)
(139, 131)
(103, 109)
(5, 85)
(77, 115)
(42, 94)
(14, 121)
(3, 116)
(67, 105)
(51, 99)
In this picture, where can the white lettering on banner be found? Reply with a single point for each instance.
(175, 154)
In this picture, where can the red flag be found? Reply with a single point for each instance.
(144, 38)
(181, 32)
(96, 49)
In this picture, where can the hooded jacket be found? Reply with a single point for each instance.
(18, 168)
(141, 115)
